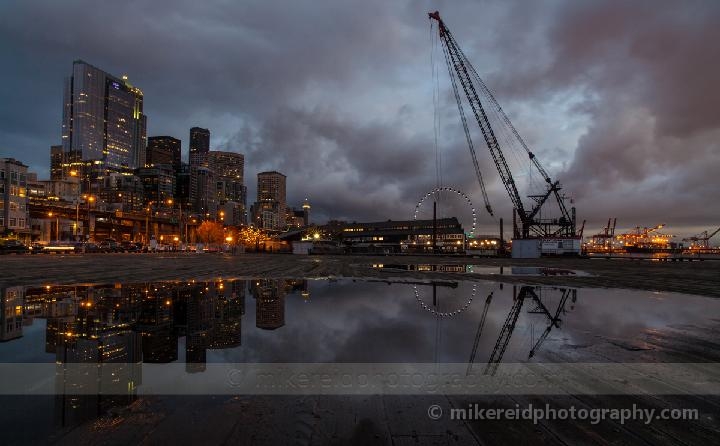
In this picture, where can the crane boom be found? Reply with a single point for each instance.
(713, 233)
(506, 332)
(479, 333)
(471, 146)
(460, 69)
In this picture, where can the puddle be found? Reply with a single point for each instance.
(483, 270)
(337, 320)
(155, 334)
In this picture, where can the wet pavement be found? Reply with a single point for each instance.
(697, 277)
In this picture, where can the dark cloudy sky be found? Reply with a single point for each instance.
(618, 99)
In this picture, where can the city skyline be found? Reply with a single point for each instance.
(596, 102)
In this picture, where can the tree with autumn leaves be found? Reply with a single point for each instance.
(210, 232)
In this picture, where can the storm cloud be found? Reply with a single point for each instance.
(616, 98)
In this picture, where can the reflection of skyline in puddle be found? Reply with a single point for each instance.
(344, 321)
(313, 320)
(482, 270)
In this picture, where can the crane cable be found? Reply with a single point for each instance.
(436, 105)
(436, 114)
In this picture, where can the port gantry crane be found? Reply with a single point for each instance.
(604, 239)
(644, 237)
(702, 240)
(609, 231)
(460, 69)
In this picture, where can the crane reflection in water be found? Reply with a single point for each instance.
(537, 296)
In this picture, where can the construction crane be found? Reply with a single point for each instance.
(702, 240)
(461, 71)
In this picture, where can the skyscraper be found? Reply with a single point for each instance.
(103, 122)
(271, 205)
(229, 168)
(158, 184)
(227, 164)
(57, 158)
(163, 150)
(269, 297)
(184, 195)
(202, 191)
(199, 146)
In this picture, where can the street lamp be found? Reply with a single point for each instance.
(182, 223)
(74, 174)
(77, 216)
(57, 226)
(147, 223)
(89, 200)
(172, 213)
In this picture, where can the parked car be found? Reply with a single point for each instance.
(37, 248)
(128, 246)
(110, 245)
(88, 247)
(13, 246)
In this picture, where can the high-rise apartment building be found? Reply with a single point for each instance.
(227, 164)
(57, 159)
(229, 168)
(158, 184)
(230, 192)
(184, 196)
(163, 150)
(199, 146)
(271, 206)
(103, 123)
(202, 190)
